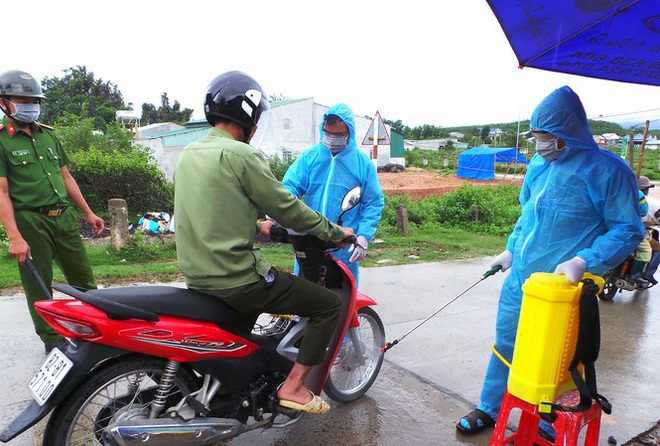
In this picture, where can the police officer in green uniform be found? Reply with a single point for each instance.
(36, 193)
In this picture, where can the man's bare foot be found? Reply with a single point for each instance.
(296, 393)
(311, 404)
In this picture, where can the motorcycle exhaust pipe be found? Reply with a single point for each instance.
(624, 285)
(172, 432)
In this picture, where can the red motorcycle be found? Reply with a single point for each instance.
(160, 365)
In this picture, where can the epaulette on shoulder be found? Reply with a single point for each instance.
(45, 126)
(2, 126)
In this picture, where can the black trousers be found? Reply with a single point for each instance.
(289, 294)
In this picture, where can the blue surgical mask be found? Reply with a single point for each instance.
(549, 149)
(334, 143)
(26, 114)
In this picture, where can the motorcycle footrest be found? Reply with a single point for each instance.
(197, 405)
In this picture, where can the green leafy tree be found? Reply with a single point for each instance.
(81, 134)
(107, 165)
(165, 113)
(398, 125)
(600, 127)
(79, 93)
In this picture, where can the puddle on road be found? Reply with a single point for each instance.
(398, 410)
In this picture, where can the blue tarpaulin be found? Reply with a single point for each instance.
(606, 39)
(478, 163)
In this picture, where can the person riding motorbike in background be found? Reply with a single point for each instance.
(651, 219)
(221, 186)
(642, 254)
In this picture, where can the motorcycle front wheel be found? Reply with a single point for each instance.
(350, 376)
(123, 388)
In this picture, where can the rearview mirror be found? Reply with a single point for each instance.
(350, 200)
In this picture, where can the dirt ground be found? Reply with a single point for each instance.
(419, 183)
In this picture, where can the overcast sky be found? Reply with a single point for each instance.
(442, 62)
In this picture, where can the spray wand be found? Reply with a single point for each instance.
(490, 272)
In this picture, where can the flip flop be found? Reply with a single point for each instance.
(316, 405)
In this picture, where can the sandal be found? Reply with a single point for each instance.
(475, 422)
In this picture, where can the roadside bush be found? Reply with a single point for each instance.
(130, 174)
(491, 210)
(279, 166)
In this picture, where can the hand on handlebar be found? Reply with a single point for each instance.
(359, 249)
(349, 237)
(264, 227)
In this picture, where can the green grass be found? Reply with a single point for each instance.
(151, 259)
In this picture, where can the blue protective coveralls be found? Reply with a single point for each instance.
(323, 180)
(583, 204)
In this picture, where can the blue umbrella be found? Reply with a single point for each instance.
(607, 39)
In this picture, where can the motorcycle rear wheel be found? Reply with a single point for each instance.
(128, 384)
(609, 290)
(348, 379)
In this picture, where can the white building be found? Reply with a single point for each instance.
(288, 128)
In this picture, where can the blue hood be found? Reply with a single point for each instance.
(346, 115)
(562, 114)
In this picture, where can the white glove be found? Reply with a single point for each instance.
(359, 252)
(504, 259)
(573, 269)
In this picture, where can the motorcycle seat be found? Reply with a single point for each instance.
(148, 302)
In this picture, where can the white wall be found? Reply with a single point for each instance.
(304, 118)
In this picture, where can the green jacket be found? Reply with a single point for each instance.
(221, 185)
(32, 166)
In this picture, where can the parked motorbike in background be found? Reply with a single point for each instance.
(160, 365)
(620, 279)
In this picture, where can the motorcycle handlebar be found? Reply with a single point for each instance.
(280, 234)
(351, 239)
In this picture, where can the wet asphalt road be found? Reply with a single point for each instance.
(431, 378)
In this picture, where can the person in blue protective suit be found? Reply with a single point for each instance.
(324, 173)
(579, 213)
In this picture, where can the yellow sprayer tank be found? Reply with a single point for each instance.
(546, 338)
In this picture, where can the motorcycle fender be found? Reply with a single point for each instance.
(362, 301)
(86, 356)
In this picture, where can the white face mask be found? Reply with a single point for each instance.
(334, 143)
(549, 149)
(26, 114)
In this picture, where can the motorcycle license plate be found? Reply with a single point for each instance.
(49, 376)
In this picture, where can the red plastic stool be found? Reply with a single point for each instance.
(567, 425)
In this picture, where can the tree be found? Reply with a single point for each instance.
(80, 94)
(107, 165)
(600, 127)
(165, 113)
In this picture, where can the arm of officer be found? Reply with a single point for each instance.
(76, 196)
(18, 247)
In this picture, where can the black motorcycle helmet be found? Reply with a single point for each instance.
(236, 97)
(21, 84)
